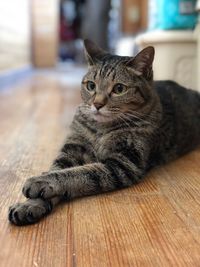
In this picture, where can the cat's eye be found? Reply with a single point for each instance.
(91, 86)
(119, 89)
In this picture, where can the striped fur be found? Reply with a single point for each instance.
(150, 124)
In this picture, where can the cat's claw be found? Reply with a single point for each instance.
(29, 212)
(40, 187)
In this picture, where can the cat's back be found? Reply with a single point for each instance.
(168, 89)
(178, 99)
(181, 115)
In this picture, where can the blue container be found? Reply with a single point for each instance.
(172, 14)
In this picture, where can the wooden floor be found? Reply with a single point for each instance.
(156, 223)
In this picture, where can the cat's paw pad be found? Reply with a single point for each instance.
(40, 187)
(29, 212)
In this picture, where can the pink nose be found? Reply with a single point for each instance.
(98, 105)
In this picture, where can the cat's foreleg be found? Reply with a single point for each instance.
(45, 191)
(73, 153)
(89, 179)
(32, 210)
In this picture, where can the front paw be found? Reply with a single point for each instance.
(41, 187)
(29, 212)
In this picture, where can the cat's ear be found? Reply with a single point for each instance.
(93, 53)
(142, 62)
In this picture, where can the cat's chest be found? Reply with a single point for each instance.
(112, 142)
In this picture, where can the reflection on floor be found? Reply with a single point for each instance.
(155, 223)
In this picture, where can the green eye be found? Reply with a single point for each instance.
(119, 89)
(91, 86)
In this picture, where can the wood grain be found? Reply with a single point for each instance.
(155, 223)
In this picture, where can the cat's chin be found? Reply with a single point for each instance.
(101, 118)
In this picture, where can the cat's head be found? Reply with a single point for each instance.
(115, 86)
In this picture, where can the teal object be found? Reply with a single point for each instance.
(172, 14)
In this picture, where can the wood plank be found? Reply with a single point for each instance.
(155, 223)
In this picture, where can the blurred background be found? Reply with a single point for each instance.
(43, 34)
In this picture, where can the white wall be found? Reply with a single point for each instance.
(14, 34)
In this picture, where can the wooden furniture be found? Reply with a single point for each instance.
(155, 223)
(197, 32)
(45, 30)
(134, 16)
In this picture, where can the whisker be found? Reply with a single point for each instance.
(129, 117)
(129, 126)
(135, 116)
(126, 117)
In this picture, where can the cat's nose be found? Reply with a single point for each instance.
(98, 105)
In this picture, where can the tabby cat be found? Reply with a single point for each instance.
(126, 125)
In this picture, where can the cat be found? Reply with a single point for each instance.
(126, 125)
